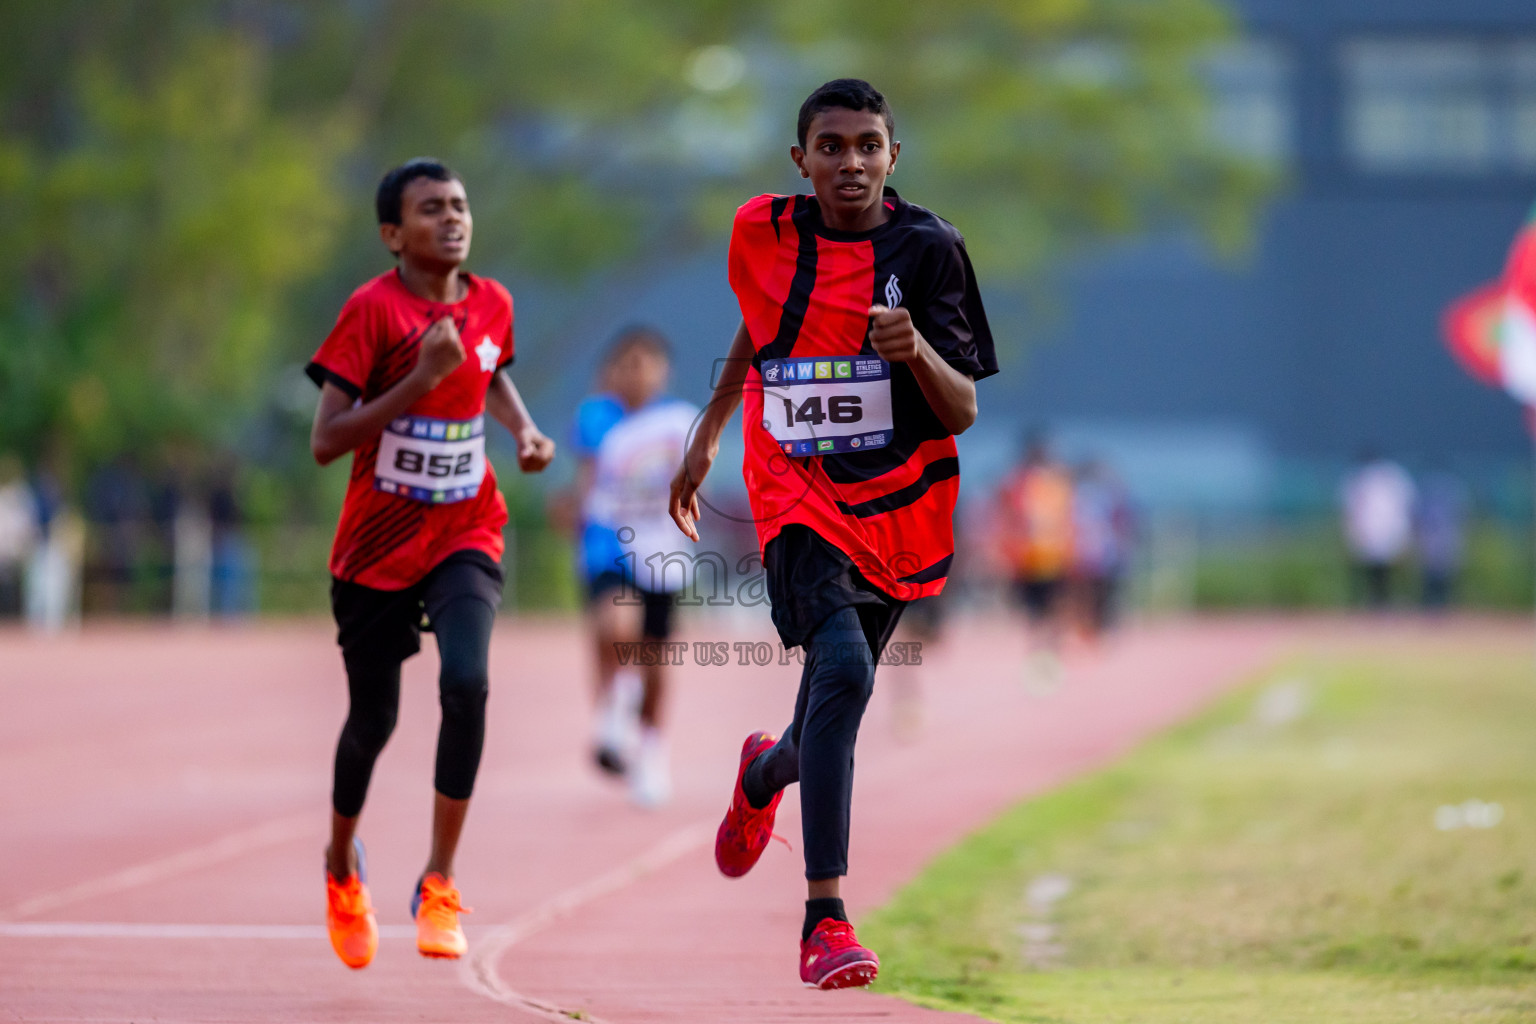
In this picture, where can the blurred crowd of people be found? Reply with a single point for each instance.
(1391, 521)
(138, 542)
(1060, 537)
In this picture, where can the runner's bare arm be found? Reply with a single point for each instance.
(342, 423)
(701, 452)
(534, 449)
(950, 393)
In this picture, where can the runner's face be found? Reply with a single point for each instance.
(639, 375)
(848, 156)
(435, 225)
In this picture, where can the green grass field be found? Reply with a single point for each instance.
(1278, 859)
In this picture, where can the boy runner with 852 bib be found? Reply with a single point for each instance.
(407, 377)
(863, 335)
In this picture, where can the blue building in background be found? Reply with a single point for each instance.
(1407, 133)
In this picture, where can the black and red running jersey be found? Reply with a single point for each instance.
(432, 492)
(836, 439)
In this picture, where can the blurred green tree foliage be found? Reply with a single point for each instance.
(185, 185)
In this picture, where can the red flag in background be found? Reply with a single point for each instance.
(1517, 327)
(1492, 330)
(1471, 328)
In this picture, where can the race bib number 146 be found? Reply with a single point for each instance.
(431, 460)
(827, 406)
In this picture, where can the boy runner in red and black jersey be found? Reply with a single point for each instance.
(407, 377)
(862, 336)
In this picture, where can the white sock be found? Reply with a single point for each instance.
(652, 774)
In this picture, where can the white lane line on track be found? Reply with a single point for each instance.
(273, 832)
(478, 970)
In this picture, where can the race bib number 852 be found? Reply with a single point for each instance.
(827, 406)
(431, 460)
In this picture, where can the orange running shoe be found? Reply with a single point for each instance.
(349, 914)
(436, 908)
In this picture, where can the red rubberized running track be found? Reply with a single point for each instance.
(164, 800)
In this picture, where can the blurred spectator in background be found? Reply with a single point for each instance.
(117, 511)
(1035, 531)
(1101, 539)
(53, 575)
(18, 533)
(1440, 526)
(47, 498)
(1377, 499)
(234, 558)
(181, 545)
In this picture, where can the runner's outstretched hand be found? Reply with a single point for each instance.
(684, 505)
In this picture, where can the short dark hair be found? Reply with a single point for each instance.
(848, 94)
(387, 201)
(641, 336)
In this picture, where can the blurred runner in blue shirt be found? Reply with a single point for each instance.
(634, 374)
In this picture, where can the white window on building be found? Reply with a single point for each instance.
(1522, 104)
(1251, 110)
(1439, 106)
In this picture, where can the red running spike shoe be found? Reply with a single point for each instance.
(833, 958)
(745, 832)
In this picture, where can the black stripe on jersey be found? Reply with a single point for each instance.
(909, 434)
(366, 459)
(386, 547)
(934, 472)
(397, 361)
(384, 522)
(396, 366)
(800, 288)
(384, 544)
(937, 571)
(776, 208)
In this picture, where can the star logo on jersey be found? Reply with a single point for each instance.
(487, 350)
(892, 293)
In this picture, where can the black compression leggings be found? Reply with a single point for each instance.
(463, 630)
(817, 749)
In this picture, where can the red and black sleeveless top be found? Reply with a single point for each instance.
(805, 291)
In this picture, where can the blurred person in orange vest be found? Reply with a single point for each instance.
(1036, 518)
